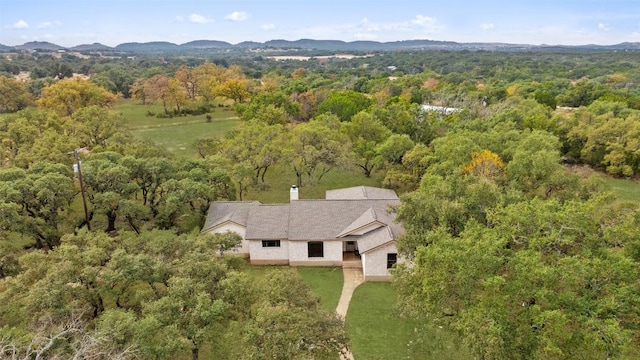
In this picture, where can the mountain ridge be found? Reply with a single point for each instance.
(313, 44)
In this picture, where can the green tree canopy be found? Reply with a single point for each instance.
(344, 103)
(540, 280)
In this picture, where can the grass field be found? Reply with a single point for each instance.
(325, 283)
(280, 177)
(378, 333)
(627, 190)
(175, 134)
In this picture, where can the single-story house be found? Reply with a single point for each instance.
(352, 227)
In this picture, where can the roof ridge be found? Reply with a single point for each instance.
(373, 213)
(228, 216)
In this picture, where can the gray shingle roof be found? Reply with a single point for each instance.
(268, 222)
(344, 211)
(223, 211)
(326, 219)
(373, 239)
(367, 217)
(361, 192)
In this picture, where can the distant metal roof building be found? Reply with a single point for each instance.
(440, 109)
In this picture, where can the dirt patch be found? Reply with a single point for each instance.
(582, 170)
(23, 76)
(305, 58)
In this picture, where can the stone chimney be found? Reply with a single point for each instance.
(293, 193)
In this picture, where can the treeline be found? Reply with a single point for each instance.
(157, 295)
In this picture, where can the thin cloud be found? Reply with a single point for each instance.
(21, 24)
(487, 26)
(179, 18)
(424, 21)
(603, 27)
(237, 16)
(267, 26)
(49, 24)
(198, 19)
(366, 25)
(367, 29)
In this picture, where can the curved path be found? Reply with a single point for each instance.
(352, 278)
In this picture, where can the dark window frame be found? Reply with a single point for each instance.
(392, 259)
(315, 249)
(270, 243)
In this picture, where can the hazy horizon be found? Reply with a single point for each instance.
(561, 22)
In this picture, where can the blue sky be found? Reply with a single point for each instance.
(74, 22)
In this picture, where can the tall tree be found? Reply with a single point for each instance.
(344, 104)
(540, 280)
(66, 96)
(313, 149)
(13, 95)
(109, 185)
(257, 143)
(366, 133)
(38, 199)
(95, 125)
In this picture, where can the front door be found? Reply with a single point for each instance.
(351, 246)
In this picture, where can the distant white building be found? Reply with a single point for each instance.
(440, 109)
(350, 227)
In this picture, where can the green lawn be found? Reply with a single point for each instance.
(379, 333)
(325, 283)
(280, 177)
(627, 190)
(175, 134)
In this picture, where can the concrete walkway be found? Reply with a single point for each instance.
(352, 278)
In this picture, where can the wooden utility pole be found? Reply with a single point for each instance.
(84, 198)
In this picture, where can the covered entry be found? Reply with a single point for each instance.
(351, 255)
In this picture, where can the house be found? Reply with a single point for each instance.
(350, 227)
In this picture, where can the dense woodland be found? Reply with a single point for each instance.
(510, 243)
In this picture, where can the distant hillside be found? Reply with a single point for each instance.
(92, 47)
(206, 44)
(5, 48)
(249, 44)
(155, 46)
(325, 45)
(39, 45)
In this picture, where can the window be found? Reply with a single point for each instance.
(316, 249)
(270, 243)
(392, 259)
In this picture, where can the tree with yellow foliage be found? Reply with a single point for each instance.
(66, 96)
(235, 89)
(13, 95)
(485, 164)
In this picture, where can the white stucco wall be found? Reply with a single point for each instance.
(299, 254)
(238, 229)
(374, 263)
(266, 255)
